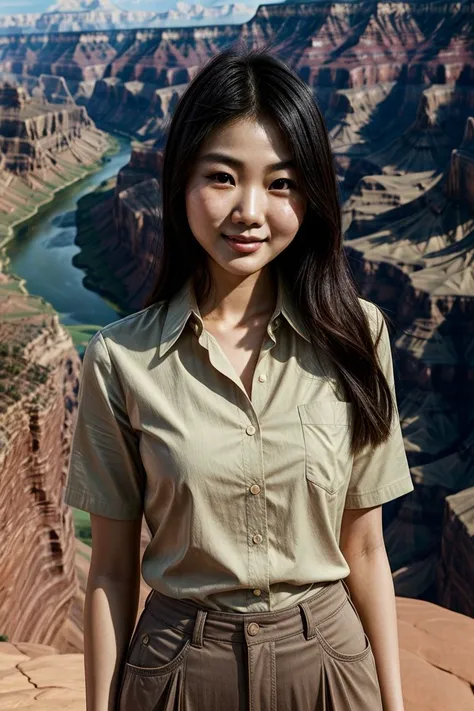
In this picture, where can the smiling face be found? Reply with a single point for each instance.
(238, 187)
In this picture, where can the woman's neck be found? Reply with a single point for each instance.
(234, 301)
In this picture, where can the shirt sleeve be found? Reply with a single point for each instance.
(105, 474)
(382, 473)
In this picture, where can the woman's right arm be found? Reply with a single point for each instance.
(110, 609)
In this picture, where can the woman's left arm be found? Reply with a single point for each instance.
(371, 586)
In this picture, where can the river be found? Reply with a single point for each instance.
(42, 251)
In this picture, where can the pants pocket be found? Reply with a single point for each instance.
(156, 647)
(144, 691)
(343, 636)
(153, 669)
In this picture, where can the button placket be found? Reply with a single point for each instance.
(256, 517)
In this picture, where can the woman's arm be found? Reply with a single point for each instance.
(371, 586)
(110, 608)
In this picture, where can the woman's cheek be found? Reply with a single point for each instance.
(287, 218)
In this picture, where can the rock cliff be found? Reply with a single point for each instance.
(43, 147)
(455, 572)
(39, 371)
(119, 230)
(410, 241)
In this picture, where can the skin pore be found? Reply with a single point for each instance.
(242, 195)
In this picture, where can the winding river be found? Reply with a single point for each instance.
(42, 251)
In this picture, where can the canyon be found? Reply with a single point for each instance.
(394, 82)
(44, 147)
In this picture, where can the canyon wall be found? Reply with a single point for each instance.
(410, 240)
(332, 45)
(39, 381)
(43, 147)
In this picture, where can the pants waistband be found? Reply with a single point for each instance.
(200, 623)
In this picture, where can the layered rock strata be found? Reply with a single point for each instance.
(43, 148)
(411, 246)
(456, 568)
(39, 371)
(336, 45)
(119, 231)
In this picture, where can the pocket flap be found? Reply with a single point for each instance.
(325, 412)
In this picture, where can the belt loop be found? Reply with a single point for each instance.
(198, 628)
(310, 627)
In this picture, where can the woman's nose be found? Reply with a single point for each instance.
(250, 207)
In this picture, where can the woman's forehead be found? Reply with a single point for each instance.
(242, 138)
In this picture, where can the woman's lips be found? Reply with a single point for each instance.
(240, 246)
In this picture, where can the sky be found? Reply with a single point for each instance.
(13, 7)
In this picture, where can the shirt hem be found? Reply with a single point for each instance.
(381, 495)
(83, 501)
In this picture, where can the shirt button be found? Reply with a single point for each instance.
(257, 592)
(145, 639)
(257, 538)
(255, 489)
(253, 629)
(262, 378)
(250, 430)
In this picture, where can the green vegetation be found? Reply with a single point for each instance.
(82, 526)
(82, 334)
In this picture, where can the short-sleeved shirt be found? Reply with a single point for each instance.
(243, 496)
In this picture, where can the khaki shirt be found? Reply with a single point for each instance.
(243, 497)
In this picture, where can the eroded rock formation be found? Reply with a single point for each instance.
(39, 371)
(43, 147)
(333, 45)
(119, 231)
(410, 241)
(456, 569)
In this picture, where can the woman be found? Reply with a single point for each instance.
(248, 411)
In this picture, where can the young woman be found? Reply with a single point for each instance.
(249, 412)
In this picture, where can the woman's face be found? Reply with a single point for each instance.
(236, 188)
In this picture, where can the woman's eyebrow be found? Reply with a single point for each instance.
(223, 158)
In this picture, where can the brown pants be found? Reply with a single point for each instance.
(314, 656)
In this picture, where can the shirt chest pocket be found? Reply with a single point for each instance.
(326, 429)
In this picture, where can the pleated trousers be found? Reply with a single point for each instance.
(314, 656)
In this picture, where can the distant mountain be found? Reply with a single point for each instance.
(104, 15)
(83, 6)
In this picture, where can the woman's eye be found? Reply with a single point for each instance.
(222, 179)
(216, 177)
(291, 183)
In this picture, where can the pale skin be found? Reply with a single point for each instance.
(247, 198)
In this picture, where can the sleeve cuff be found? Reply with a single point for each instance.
(379, 496)
(83, 501)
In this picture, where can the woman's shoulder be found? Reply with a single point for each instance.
(135, 332)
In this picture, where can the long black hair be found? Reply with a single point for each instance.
(241, 83)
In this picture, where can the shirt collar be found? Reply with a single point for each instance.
(183, 304)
